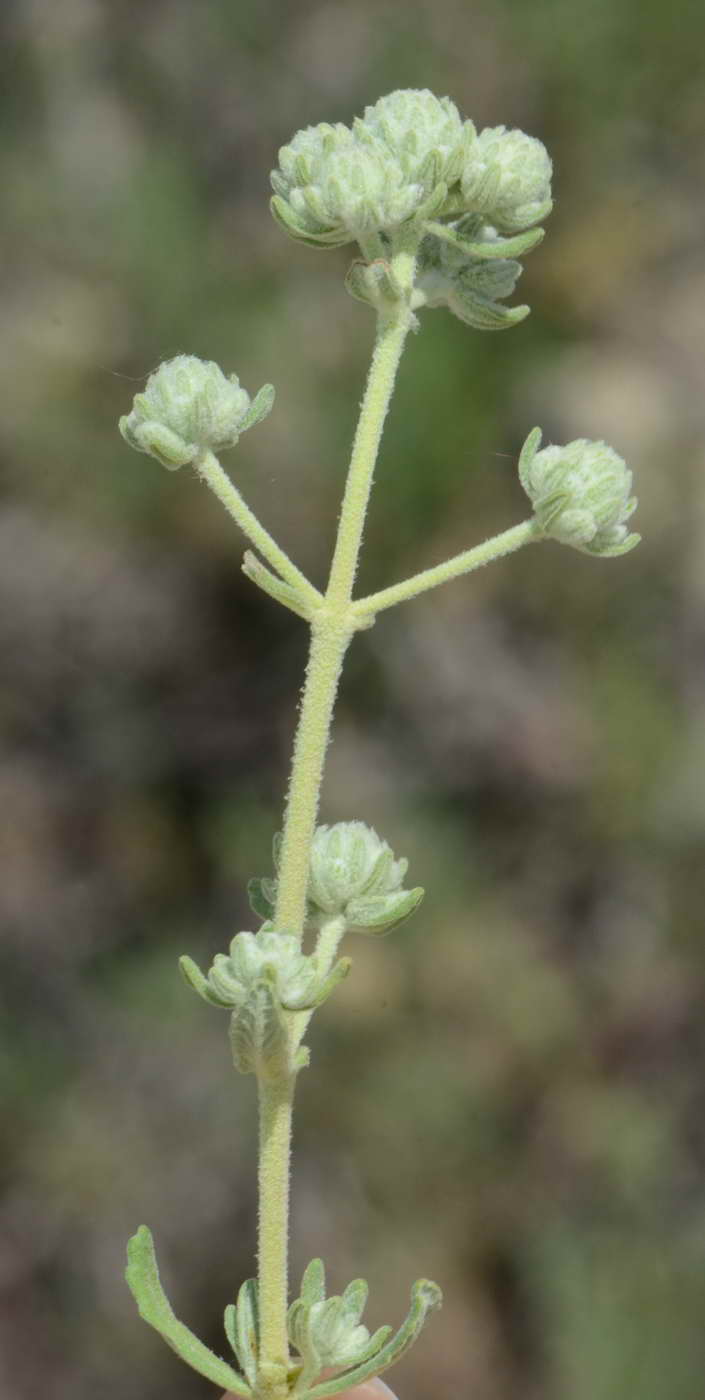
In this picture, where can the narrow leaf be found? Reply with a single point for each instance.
(354, 1298)
(144, 1283)
(260, 904)
(283, 593)
(247, 1329)
(259, 408)
(313, 1283)
(527, 454)
(194, 978)
(485, 315)
(515, 247)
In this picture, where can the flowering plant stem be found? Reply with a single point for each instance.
(395, 183)
(332, 626)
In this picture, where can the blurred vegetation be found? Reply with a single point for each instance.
(519, 1113)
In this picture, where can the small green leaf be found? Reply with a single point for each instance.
(313, 1283)
(245, 1329)
(194, 978)
(527, 454)
(483, 314)
(324, 988)
(144, 1283)
(259, 903)
(257, 1034)
(283, 593)
(354, 1298)
(259, 408)
(514, 247)
(380, 913)
(300, 1337)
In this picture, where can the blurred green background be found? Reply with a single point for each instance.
(507, 1095)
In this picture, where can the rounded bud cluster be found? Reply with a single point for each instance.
(507, 176)
(354, 875)
(332, 188)
(256, 956)
(411, 159)
(424, 133)
(581, 494)
(189, 406)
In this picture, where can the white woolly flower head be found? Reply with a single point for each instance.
(331, 187)
(354, 875)
(425, 133)
(189, 405)
(254, 955)
(581, 494)
(507, 176)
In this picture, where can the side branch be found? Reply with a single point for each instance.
(464, 563)
(210, 471)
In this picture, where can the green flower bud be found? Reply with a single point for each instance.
(189, 406)
(507, 177)
(254, 954)
(354, 874)
(332, 188)
(253, 957)
(425, 133)
(580, 494)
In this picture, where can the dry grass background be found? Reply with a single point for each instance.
(508, 1095)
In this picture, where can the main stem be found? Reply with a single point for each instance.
(276, 1104)
(331, 631)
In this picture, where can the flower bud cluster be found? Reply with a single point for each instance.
(411, 158)
(263, 976)
(254, 956)
(354, 876)
(581, 494)
(332, 188)
(328, 1332)
(190, 406)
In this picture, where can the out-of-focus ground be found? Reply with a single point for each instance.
(508, 1095)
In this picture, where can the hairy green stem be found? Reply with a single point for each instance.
(332, 628)
(276, 1102)
(380, 384)
(210, 470)
(329, 938)
(464, 563)
(330, 638)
